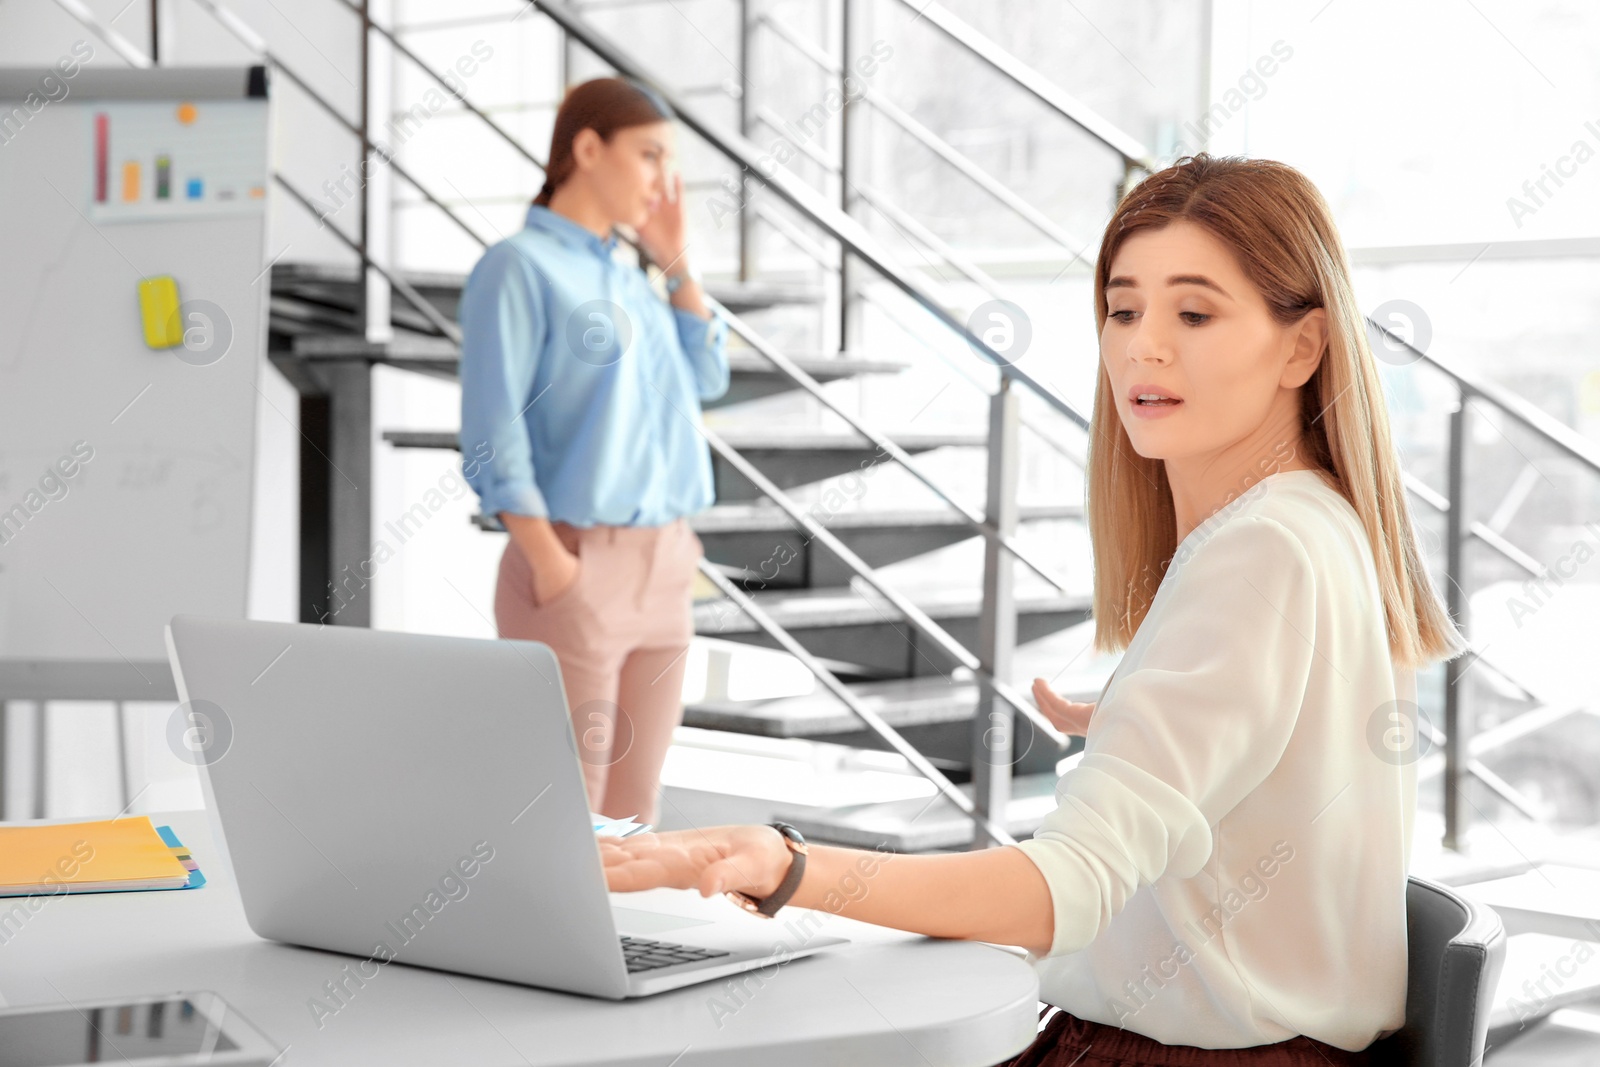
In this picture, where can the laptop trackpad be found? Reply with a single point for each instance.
(634, 921)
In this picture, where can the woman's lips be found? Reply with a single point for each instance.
(1159, 410)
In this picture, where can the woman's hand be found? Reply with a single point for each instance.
(1068, 716)
(752, 859)
(553, 574)
(664, 234)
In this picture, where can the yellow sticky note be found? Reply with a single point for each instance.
(158, 307)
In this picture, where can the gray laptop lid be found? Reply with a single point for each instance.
(402, 797)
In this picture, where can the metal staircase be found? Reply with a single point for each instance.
(925, 673)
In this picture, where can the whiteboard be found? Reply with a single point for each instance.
(125, 470)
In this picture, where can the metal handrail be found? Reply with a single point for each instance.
(1076, 456)
(1551, 430)
(1440, 503)
(850, 233)
(872, 719)
(130, 52)
(505, 135)
(904, 221)
(975, 520)
(913, 614)
(1133, 153)
(937, 145)
(423, 305)
(779, 361)
(250, 39)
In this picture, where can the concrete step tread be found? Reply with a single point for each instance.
(747, 518)
(752, 518)
(799, 439)
(405, 346)
(901, 702)
(289, 278)
(835, 606)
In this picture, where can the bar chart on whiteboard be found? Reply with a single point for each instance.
(164, 160)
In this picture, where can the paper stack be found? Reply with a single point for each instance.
(604, 827)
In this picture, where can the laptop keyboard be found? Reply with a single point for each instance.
(643, 955)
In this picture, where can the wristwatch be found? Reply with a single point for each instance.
(675, 281)
(797, 868)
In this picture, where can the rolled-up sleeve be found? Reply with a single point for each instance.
(1199, 721)
(705, 342)
(503, 323)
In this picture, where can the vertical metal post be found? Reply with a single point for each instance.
(41, 756)
(155, 33)
(364, 111)
(850, 118)
(377, 108)
(747, 186)
(994, 724)
(350, 492)
(1455, 742)
(124, 779)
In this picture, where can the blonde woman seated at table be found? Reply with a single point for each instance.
(1224, 878)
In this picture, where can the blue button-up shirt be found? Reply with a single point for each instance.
(580, 386)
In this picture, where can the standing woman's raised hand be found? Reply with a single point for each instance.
(664, 233)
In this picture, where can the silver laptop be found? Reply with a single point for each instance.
(420, 800)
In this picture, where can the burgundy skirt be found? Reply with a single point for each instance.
(1067, 1041)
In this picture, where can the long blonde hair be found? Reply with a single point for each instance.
(1280, 230)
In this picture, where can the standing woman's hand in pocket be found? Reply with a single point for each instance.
(1068, 716)
(554, 574)
(554, 568)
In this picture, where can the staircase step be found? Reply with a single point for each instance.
(751, 375)
(802, 456)
(933, 714)
(902, 702)
(761, 543)
(838, 624)
(789, 457)
(335, 286)
(932, 824)
(764, 543)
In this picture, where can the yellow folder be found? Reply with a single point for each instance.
(124, 853)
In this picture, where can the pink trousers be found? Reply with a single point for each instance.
(621, 633)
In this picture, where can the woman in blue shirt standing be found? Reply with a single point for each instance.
(580, 408)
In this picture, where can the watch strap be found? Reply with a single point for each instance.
(791, 880)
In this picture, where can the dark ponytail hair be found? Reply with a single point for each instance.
(604, 105)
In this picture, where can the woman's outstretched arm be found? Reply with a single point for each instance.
(996, 895)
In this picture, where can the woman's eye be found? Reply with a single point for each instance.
(1117, 316)
(1194, 318)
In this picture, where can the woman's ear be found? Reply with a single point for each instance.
(586, 145)
(1311, 341)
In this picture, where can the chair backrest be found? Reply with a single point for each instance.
(1455, 951)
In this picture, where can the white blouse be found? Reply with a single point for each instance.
(1228, 859)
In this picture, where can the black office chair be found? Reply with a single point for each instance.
(1456, 949)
